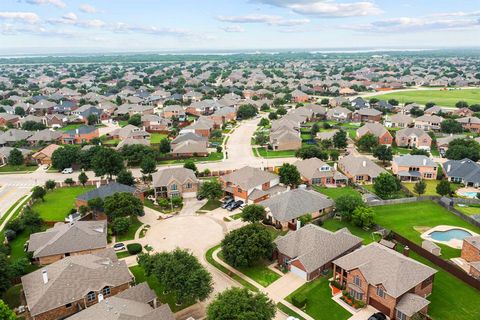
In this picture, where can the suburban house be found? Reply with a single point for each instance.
(428, 122)
(154, 123)
(175, 182)
(203, 126)
(442, 143)
(463, 171)
(80, 135)
(314, 171)
(189, 136)
(136, 303)
(189, 148)
(6, 118)
(174, 111)
(5, 153)
(283, 209)
(471, 254)
(413, 138)
(387, 280)
(285, 138)
(55, 120)
(129, 131)
(68, 239)
(367, 115)
(223, 115)
(398, 121)
(203, 108)
(378, 130)
(45, 136)
(299, 96)
(339, 114)
(360, 103)
(251, 185)
(414, 167)
(359, 169)
(74, 283)
(470, 123)
(309, 251)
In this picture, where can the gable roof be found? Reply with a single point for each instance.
(360, 165)
(105, 191)
(248, 177)
(374, 128)
(466, 169)
(414, 160)
(165, 176)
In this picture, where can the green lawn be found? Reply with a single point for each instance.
(320, 305)
(334, 193)
(156, 286)
(398, 195)
(123, 254)
(211, 205)
(130, 234)
(469, 210)
(446, 98)
(212, 156)
(431, 189)
(403, 218)
(335, 224)
(289, 311)
(111, 142)
(19, 169)
(155, 138)
(58, 202)
(236, 216)
(275, 154)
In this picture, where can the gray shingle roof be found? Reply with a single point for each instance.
(360, 166)
(411, 303)
(465, 169)
(105, 191)
(165, 176)
(414, 160)
(248, 177)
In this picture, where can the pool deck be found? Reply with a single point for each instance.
(461, 192)
(454, 243)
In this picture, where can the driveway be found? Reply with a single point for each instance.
(284, 286)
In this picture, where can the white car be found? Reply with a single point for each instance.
(67, 171)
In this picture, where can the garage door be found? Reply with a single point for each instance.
(299, 272)
(380, 307)
(189, 194)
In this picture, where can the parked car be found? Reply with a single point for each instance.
(200, 197)
(67, 171)
(119, 246)
(378, 316)
(235, 205)
(227, 203)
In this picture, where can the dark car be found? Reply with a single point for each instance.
(227, 203)
(235, 205)
(378, 316)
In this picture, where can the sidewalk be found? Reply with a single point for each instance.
(20, 204)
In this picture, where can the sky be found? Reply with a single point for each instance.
(94, 26)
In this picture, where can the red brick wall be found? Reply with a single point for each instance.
(469, 252)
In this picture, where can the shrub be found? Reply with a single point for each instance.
(134, 248)
(360, 304)
(299, 300)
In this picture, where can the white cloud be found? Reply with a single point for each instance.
(327, 8)
(233, 29)
(261, 18)
(27, 17)
(88, 8)
(457, 14)
(73, 20)
(406, 24)
(159, 31)
(56, 3)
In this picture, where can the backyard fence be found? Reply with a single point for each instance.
(445, 265)
(375, 203)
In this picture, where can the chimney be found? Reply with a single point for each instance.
(425, 161)
(406, 251)
(364, 163)
(100, 297)
(449, 167)
(335, 166)
(45, 276)
(299, 225)
(76, 131)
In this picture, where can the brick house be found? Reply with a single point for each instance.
(174, 111)
(80, 135)
(299, 96)
(398, 121)
(154, 123)
(378, 130)
(387, 280)
(428, 122)
(223, 115)
(175, 182)
(339, 114)
(203, 127)
(367, 115)
(314, 171)
(309, 251)
(67, 286)
(413, 138)
(68, 239)
(471, 254)
(359, 169)
(414, 167)
(285, 138)
(470, 123)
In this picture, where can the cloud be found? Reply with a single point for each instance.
(87, 8)
(56, 3)
(326, 8)
(26, 17)
(233, 29)
(12, 30)
(406, 24)
(457, 14)
(72, 19)
(261, 18)
(159, 31)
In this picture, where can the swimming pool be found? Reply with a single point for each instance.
(448, 235)
(468, 194)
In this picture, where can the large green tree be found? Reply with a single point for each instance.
(459, 149)
(340, 139)
(253, 213)
(385, 186)
(289, 175)
(383, 153)
(241, 304)
(311, 151)
(420, 187)
(451, 126)
(443, 188)
(211, 189)
(15, 158)
(125, 177)
(165, 145)
(122, 204)
(347, 203)
(107, 162)
(5, 312)
(367, 142)
(65, 157)
(247, 111)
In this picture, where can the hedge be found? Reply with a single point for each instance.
(134, 248)
(299, 300)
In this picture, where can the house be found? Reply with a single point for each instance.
(5, 153)
(398, 121)
(378, 130)
(414, 167)
(13, 136)
(299, 96)
(463, 171)
(285, 138)
(251, 185)
(55, 120)
(470, 123)
(389, 281)
(463, 112)
(6, 118)
(44, 136)
(203, 108)
(337, 101)
(285, 208)
(471, 254)
(173, 182)
(80, 135)
(67, 286)
(367, 115)
(203, 126)
(428, 122)
(360, 103)
(223, 115)
(174, 111)
(154, 123)
(137, 303)
(359, 169)
(413, 138)
(189, 136)
(339, 114)
(129, 131)
(314, 171)
(442, 143)
(132, 141)
(326, 135)
(44, 156)
(68, 239)
(309, 251)
(189, 148)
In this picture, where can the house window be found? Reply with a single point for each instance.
(68, 305)
(106, 291)
(401, 316)
(188, 186)
(91, 296)
(357, 281)
(239, 190)
(173, 187)
(380, 292)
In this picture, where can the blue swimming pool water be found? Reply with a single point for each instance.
(450, 234)
(469, 194)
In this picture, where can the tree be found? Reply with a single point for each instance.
(334, 154)
(264, 122)
(385, 185)
(315, 129)
(96, 205)
(211, 189)
(82, 178)
(38, 193)
(420, 187)
(451, 126)
(107, 161)
(241, 304)
(421, 152)
(135, 120)
(180, 273)
(393, 102)
(272, 116)
(33, 126)
(459, 149)
(383, 152)
(282, 111)
(120, 225)
(247, 245)
(5, 312)
(253, 213)
(50, 184)
(346, 204)
(310, 151)
(340, 139)
(363, 217)
(69, 181)
(246, 111)
(461, 104)
(443, 188)
(367, 142)
(165, 145)
(289, 175)
(15, 158)
(92, 119)
(190, 165)
(122, 204)
(261, 138)
(125, 177)
(148, 166)
(19, 111)
(65, 157)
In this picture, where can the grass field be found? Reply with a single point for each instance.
(155, 138)
(275, 154)
(130, 234)
(334, 225)
(334, 193)
(431, 189)
(404, 218)
(469, 210)
(58, 202)
(447, 98)
(212, 156)
(211, 205)
(17, 169)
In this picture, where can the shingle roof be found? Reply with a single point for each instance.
(414, 160)
(105, 191)
(165, 176)
(188, 136)
(190, 146)
(374, 128)
(248, 177)
(360, 165)
(411, 303)
(465, 169)
(380, 265)
(474, 241)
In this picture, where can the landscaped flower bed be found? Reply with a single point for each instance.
(357, 304)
